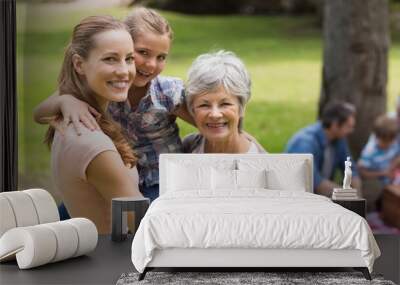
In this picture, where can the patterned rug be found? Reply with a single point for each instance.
(243, 278)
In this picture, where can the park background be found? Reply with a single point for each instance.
(283, 52)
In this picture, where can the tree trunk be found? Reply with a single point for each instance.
(356, 42)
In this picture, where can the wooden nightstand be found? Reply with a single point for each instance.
(358, 206)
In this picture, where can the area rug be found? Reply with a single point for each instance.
(243, 278)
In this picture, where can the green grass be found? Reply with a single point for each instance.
(283, 55)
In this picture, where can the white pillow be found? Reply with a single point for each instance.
(185, 177)
(251, 178)
(294, 180)
(223, 179)
(281, 174)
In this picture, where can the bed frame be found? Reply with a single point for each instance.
(251, 258)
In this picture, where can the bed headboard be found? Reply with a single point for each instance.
(286, 165)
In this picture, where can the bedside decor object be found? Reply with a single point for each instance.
(31, 233)
(347, 174)
(345, 193)
(120, 207)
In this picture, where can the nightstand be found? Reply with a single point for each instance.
(120, 207)
(358, 206)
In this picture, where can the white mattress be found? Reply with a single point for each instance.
(252, 218)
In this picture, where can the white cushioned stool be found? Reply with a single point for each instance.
(41, 244)
(31, 232)
(26, 208)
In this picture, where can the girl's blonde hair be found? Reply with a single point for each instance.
(70, 82)
(142, 20)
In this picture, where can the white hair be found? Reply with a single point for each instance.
(212, 70)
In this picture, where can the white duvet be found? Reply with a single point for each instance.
(250, 218)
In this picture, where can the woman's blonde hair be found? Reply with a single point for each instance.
(70, 82)
(142, 20)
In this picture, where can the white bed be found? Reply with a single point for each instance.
(256, 210)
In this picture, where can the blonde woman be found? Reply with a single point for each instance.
(92, 168)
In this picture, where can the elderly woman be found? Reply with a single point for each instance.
(218, 89)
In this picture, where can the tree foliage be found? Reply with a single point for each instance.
(236, 6)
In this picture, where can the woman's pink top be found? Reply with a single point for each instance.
(70, 156)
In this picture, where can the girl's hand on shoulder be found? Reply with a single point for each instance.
(57, 123)
(78, 113)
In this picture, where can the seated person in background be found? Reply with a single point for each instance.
(92, 168)
(380, 151)
(217, 91)
(326, 141)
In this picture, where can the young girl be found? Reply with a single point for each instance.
(91, 169)
(148, 115)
